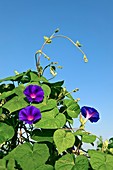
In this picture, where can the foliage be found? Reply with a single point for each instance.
(36, 123)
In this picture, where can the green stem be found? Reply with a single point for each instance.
(63, 36)
(39, 55)
(52, 37)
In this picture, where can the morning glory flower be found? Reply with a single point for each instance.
(34, 93)
(29, 114)
(90, 113)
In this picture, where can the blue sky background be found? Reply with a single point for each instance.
(23, 24)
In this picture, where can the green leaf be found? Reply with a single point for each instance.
(63, 140)
(57, 84)
(25, 79)
(6, 94)
(35, 78)
(42, 135)
(81, 163)
(45, 167)
(69, 102)
(79, 132)
(43, 79)
(46, 105)
(66, 162)
(11, 164)
(17, 77)
(15, 104)
(28, 156)
(51, 120)
(73, 109)
(19, 90)
(55, 89)
(2, 164)
(88, 138)
(100, 160)
(46, 89)
(6, 132)
(12, 78)
(37, 157)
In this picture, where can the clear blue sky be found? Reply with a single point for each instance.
(23, 24)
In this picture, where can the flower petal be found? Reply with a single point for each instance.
(29, 111)
(34, 90)
(36, 113)
(22, 114)
(90, 113)
(95, 117)
(28, 90)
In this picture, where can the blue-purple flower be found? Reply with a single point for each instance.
(34, 93)
(29, 114)
(90, 113)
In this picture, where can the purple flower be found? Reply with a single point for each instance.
(29, 114)
(34, 93)
(90, 113)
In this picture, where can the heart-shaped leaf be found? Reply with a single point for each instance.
(88, 138)
(73, 109)
(46, 105)
(100, 160)
(30, 156)
(34, 77)
(68, 162)
(6, 132)
(81, 163)
(51, 120)
(46, 89)
(63, 140)
(16, 103)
